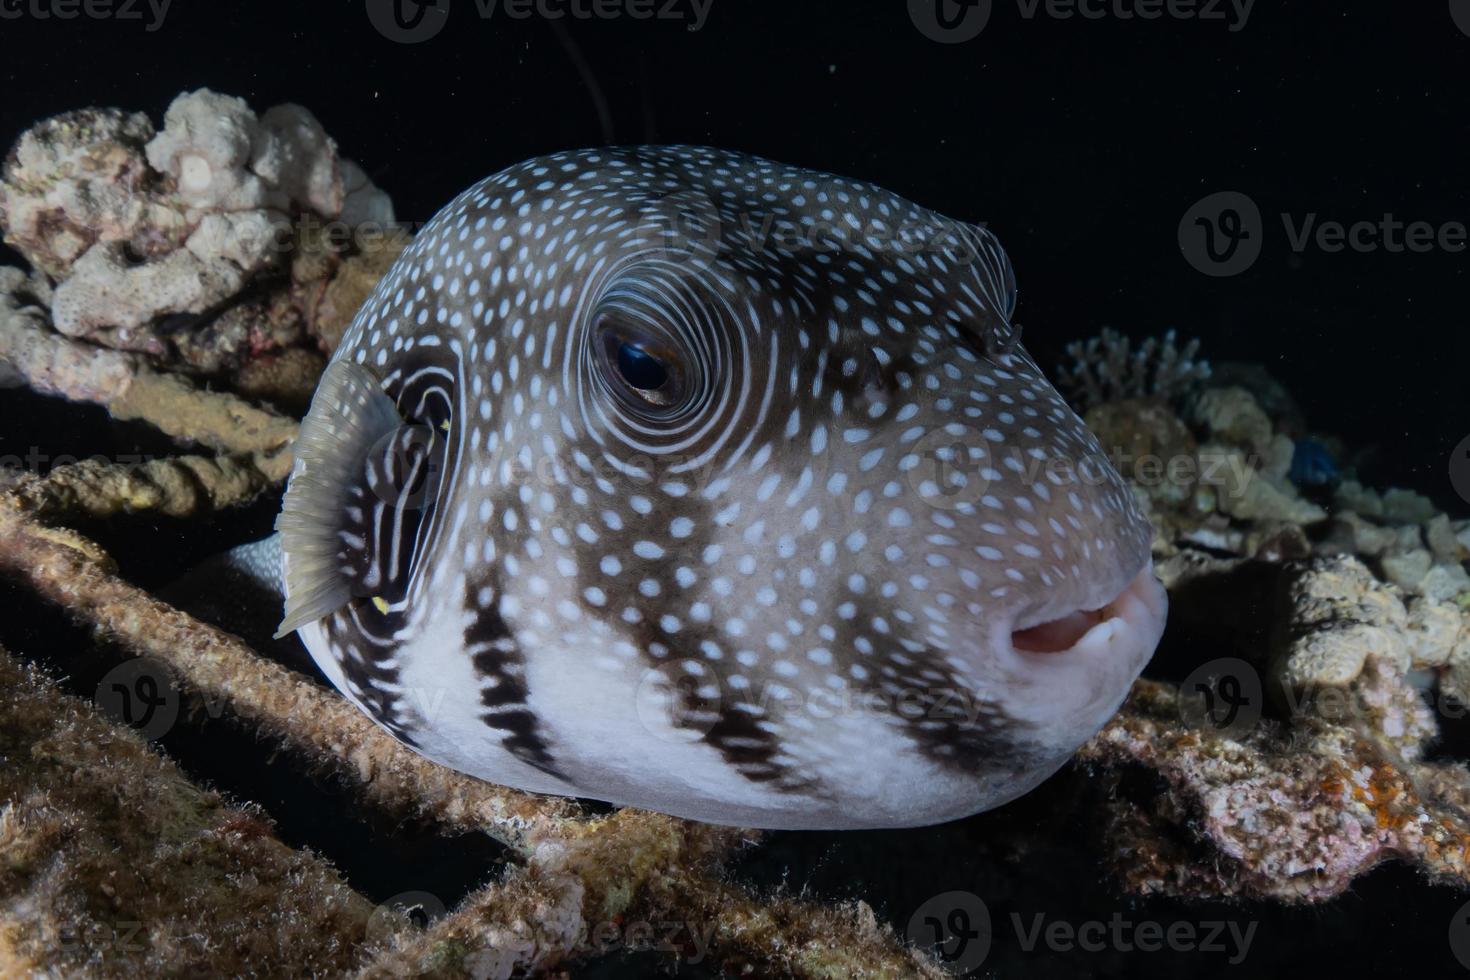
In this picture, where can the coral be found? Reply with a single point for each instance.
(1293, 806)
(1108, 368)
(1247, 494)
(79, 179)
(113, 864)
(1359, 633)
(182, 244)
(1231, 415)
(1291, 816)
(1417, 548)
(129, 389)
(1141, 436)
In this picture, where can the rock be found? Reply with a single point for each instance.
(1244, 494)
(1352, 495)
(1440, 535)
(1231, 415)
(1445, 582)
(1406, 507)
(1407, 569)
(1434, 628)
(1340, 616)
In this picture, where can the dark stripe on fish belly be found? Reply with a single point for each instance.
(362, 639)
(653, 587)
(502, 669)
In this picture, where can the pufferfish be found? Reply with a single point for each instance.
(686, 480)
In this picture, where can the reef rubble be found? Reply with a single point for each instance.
(1324, 643)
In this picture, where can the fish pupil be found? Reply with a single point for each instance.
(641, 369)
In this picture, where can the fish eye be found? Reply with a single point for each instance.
(640, 367)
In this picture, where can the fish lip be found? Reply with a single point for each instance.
(1131, 622)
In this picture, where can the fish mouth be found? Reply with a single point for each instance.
(1135, 614)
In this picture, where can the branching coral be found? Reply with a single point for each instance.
(1108, 368)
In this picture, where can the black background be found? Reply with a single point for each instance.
(1081, 142)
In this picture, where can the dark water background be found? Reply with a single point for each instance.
(1081, 142)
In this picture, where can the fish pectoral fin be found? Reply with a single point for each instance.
(324, 522)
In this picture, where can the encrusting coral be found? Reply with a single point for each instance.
(110, 856)
(1297, 762)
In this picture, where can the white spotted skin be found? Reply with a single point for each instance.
(784, 547)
